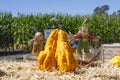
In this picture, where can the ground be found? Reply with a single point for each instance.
(10, 69)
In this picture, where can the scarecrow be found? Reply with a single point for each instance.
(38, 43)
(84, 38)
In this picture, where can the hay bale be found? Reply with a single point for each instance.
(28, 70)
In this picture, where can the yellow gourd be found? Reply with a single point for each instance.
(57, 53)
(115, 61)
(46, 58)
(65, 54)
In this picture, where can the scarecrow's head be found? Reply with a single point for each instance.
(38, 36)
(85, 30)
(85, 27)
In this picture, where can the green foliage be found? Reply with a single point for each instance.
(18, 30)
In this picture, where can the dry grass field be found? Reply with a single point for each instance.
(28, 70)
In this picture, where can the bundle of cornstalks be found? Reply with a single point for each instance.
(28, 70)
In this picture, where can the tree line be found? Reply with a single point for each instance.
(103, 10)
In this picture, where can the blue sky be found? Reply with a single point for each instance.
(73, 7)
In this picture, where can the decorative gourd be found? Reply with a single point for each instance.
(115, 61)
(57, 53)
(46, 58)
(65, 54)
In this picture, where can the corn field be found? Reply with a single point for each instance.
(16, 31)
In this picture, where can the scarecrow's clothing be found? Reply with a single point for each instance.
(84, 42)
(79, 35)
(37, 46)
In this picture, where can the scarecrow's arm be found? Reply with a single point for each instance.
(78, 35)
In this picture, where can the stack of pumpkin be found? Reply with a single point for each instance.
(58, 54)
